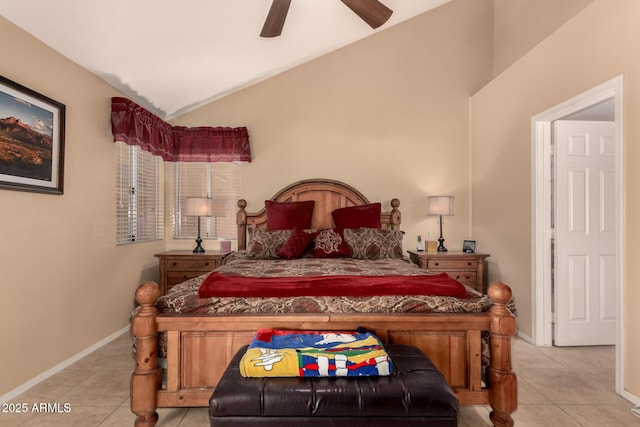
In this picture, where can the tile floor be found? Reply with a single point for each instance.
(570, 386)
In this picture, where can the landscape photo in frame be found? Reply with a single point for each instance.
(31, 140)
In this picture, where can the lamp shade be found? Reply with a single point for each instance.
(440, 205)
(198, 206)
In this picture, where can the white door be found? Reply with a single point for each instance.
(585, 233)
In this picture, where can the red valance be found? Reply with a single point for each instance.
(134, 125)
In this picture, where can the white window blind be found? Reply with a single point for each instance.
(138, 196)
(219, 181)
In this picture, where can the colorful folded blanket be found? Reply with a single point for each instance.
(285, 353)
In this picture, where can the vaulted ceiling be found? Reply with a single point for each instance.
(172, 56)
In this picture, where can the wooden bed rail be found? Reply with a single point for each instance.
(146, 380)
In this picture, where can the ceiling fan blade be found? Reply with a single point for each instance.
(275, 19)
(372, 12)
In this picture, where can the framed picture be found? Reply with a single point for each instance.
(469, 246)
(31, 140)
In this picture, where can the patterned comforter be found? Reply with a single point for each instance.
(183, 298)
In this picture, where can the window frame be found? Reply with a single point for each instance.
(139, 201)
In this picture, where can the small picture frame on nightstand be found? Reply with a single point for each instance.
(469, 246)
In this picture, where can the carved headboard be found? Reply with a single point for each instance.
(328, 196)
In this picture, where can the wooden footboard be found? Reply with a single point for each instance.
(200, 347)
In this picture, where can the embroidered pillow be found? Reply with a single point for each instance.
(358, 216)
(288, 215)
(296, 244)
(266, 244)
(331, 244)
(373, 243)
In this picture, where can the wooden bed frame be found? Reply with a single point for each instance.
(199, 347)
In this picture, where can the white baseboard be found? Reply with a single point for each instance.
(630, 397)
(525, 337)
(60, 366)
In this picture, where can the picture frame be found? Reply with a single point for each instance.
(32, 129)
(469, 246)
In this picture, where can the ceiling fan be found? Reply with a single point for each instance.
(372, 12)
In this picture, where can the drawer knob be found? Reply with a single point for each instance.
(437, 263)
(206, 263)
(469, 263)
(174, 263)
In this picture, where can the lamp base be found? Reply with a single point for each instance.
(441, 247)
(199, 248)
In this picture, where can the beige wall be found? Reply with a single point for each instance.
(519, 25)
(600, 43)
(388, 115)
(65, 285)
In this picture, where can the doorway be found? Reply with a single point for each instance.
(543, 269)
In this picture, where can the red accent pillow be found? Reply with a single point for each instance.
(289, 215)
(331, 244)
(296, 244)
(364, 216)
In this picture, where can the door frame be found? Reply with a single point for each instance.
(541, 212)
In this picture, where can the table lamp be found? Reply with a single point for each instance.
(440, 205)
(198, 206)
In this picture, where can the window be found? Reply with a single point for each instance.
(219, 181)
(138, 195)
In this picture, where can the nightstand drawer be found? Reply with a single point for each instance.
(450, 264)
(191, 264)
(465, 277)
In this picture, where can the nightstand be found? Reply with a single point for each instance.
(466, 268)
(178, 266)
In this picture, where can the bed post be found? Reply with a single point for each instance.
(396, 218)
(502, 380)
(241, 220)
(146, 379)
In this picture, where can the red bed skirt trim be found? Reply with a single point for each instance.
(222, 285)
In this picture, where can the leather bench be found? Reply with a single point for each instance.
(416, 394)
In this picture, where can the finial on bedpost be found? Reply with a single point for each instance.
(147, 294)
(146, 378)
(500, 294)
(241, 220)
(396, 217)
(503, 382)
